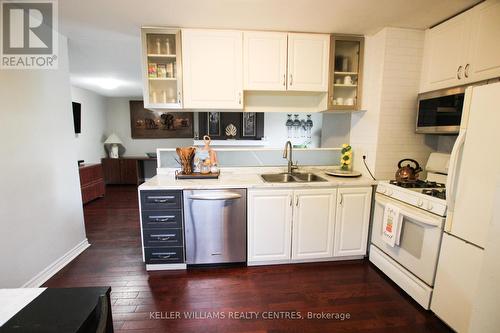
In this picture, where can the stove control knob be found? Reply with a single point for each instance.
(382, 189)
(430, 206)
(390, 192)
(420, 203)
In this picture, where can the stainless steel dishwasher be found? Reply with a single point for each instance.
(215, 226)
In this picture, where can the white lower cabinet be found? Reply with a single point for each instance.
(352, 221)
(307, 225)
(269, 225)
(313, 224)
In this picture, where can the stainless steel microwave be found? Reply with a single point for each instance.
(440, 112)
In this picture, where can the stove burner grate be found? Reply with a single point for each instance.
(418, 184)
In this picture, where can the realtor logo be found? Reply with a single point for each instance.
(29, 34)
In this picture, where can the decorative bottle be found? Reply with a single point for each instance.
(289, 126)
(296, 126)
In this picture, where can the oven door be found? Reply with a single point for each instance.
(420, 240)
(440, 112)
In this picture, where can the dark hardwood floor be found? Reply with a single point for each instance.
(373, 303)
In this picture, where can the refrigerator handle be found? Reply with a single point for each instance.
(451, 179)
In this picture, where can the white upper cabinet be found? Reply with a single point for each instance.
(444, 54)
(464, 49)
(484, 56)
(212, 63)
(313, 224)
(264, 60)
(308, 62)
(269, 225)
(352, 221)
(161, 68)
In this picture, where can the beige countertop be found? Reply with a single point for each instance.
(250, 178)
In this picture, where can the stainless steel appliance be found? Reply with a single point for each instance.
(411, 262)
(215, 226)
(440, 112)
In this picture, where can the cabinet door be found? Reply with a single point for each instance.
(313, 224)
(445, 53)
(457, 277)
(129, 171)
(308, 62)
(111, 170)
(264, 60)
(212, 69)
(484, 55)
(161, 68)
(269, 225)
(352, 221)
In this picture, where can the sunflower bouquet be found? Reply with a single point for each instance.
(346, 157)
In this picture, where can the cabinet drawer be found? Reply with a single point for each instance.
(164, 255)
(161, 199)
(162, 237)
(162, 219)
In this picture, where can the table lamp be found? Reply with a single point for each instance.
(114, 141)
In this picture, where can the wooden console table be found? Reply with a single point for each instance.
(124, 170)
(91, 182)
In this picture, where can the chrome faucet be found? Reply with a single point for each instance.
(287, 153)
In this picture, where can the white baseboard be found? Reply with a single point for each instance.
(57, 265)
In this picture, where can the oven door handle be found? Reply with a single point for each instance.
(419, 219)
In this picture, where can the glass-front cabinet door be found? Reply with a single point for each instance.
(346, 67)
(162, 68)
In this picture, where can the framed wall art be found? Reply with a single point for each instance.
(159, 124)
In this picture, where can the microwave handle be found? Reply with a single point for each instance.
(452, 168)
(426, 222)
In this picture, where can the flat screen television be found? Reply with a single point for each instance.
(77, 117)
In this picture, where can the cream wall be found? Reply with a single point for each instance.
(89, 143)
(41, 215)
(386, 132)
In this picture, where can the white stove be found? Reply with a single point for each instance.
(411, 262)
(418, 197)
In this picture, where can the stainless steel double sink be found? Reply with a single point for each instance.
(292, 178)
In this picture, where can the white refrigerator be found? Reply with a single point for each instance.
(470, 190)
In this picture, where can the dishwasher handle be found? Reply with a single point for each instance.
(215, 196)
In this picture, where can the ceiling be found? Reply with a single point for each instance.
(104, 36)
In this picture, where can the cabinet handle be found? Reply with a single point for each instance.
(161, 218)
(466, 73)
(341, 199)
(239, 98)
(166, 255)
(284, 80)
(163, 237)
(291, 79)
(459, 72)
(179, 94)
(297, 200)
(291, 200)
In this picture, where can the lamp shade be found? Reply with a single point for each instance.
(113, 139)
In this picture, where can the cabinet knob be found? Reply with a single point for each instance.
(291, 79)
(284, 80)
(459, 72)
(239, 98)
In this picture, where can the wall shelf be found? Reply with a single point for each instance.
(345, 73)
(233, 143)
(345, 85)
(162, 78)
(152, 55)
